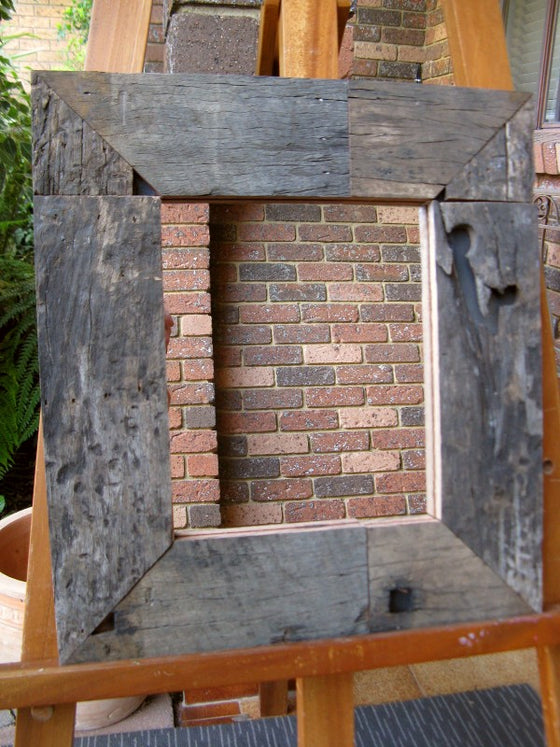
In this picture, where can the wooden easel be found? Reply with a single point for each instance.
(323, 669)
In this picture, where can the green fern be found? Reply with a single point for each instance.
(19, 379)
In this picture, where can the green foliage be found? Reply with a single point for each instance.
(19, 388)
(75, 29)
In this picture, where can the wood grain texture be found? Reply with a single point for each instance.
(325, 711)
(484, 332)
(69, 157)
(242, 591)
(39, 629)
(117, 35)
(34, 684)
(422, 575)
(477, 43)
(203, 135)
(308, 39)
(104, 400)
(411, 141)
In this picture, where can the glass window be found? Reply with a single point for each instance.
(533, 40)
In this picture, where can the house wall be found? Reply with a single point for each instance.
(38, 20)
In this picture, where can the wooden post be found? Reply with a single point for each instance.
(47, 725)
(325, 716)
(117, 43)
(479, 54)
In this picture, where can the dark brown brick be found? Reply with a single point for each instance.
(343, 486)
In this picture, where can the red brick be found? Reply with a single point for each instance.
(414, 459)
(248, 422)
(193, 442)
(185, 235)
(339, 442)
(187, 303)
(352, 253)
(237, 211)
(241, 293)
(326, 233)
(277, 443)
(381, 273)
(370, 507)
(394, 395)
(276, 313)
(266, 232)
(368, 417)
(405, 332)
(294, 252)
(175, 418)
(177, 464)
(380, 234)
(400, 482)
(362, 292)
(324, 271)
(281, 490)
(190, 347)
(350, 213)
(370, 461)
(308, 420)
(195, 491)
(409, 373)
(417, 504)
(202, 465)
(252, 514)
(327, 312)
(247, 252)
(182, 280)
(198, 370)
(334, 396)
(199, 393)
(335, 353)
(397, 353)
(364, 374)
(317, 510)
(187, 259)
(185, 212)
(173, 368)
(388, 312)
(300, 466)
(359, 333)
(397, 438)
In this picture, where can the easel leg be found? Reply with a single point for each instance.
(41, 727)
(273, 698)
(325, 711)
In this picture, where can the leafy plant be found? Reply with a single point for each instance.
(74, 27)
(19, 386)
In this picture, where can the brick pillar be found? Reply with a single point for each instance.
(212, 36)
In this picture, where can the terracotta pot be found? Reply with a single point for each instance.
(14, 548)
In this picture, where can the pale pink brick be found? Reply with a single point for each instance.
(278, 443)
(370, 461)
(368, 417)
(336, 353)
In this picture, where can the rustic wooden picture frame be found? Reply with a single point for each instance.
(123, 586)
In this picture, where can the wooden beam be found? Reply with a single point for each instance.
(55, 725)
(479, 55)
(267, 47)
(34, 684)
(308, 39)
(108, 462)
(118, 35)
(325, 710)
(477, 43)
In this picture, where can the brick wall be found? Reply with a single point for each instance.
(316, 313)
(43, 50)
(38, 20)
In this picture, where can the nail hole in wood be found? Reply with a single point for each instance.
(401, 599)
(548, 466)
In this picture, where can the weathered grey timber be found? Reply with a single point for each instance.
(243, 591)
(202, 135)
(104, 400)
(486, 350)
(411, 141)
(421, 574)
(69, 156)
